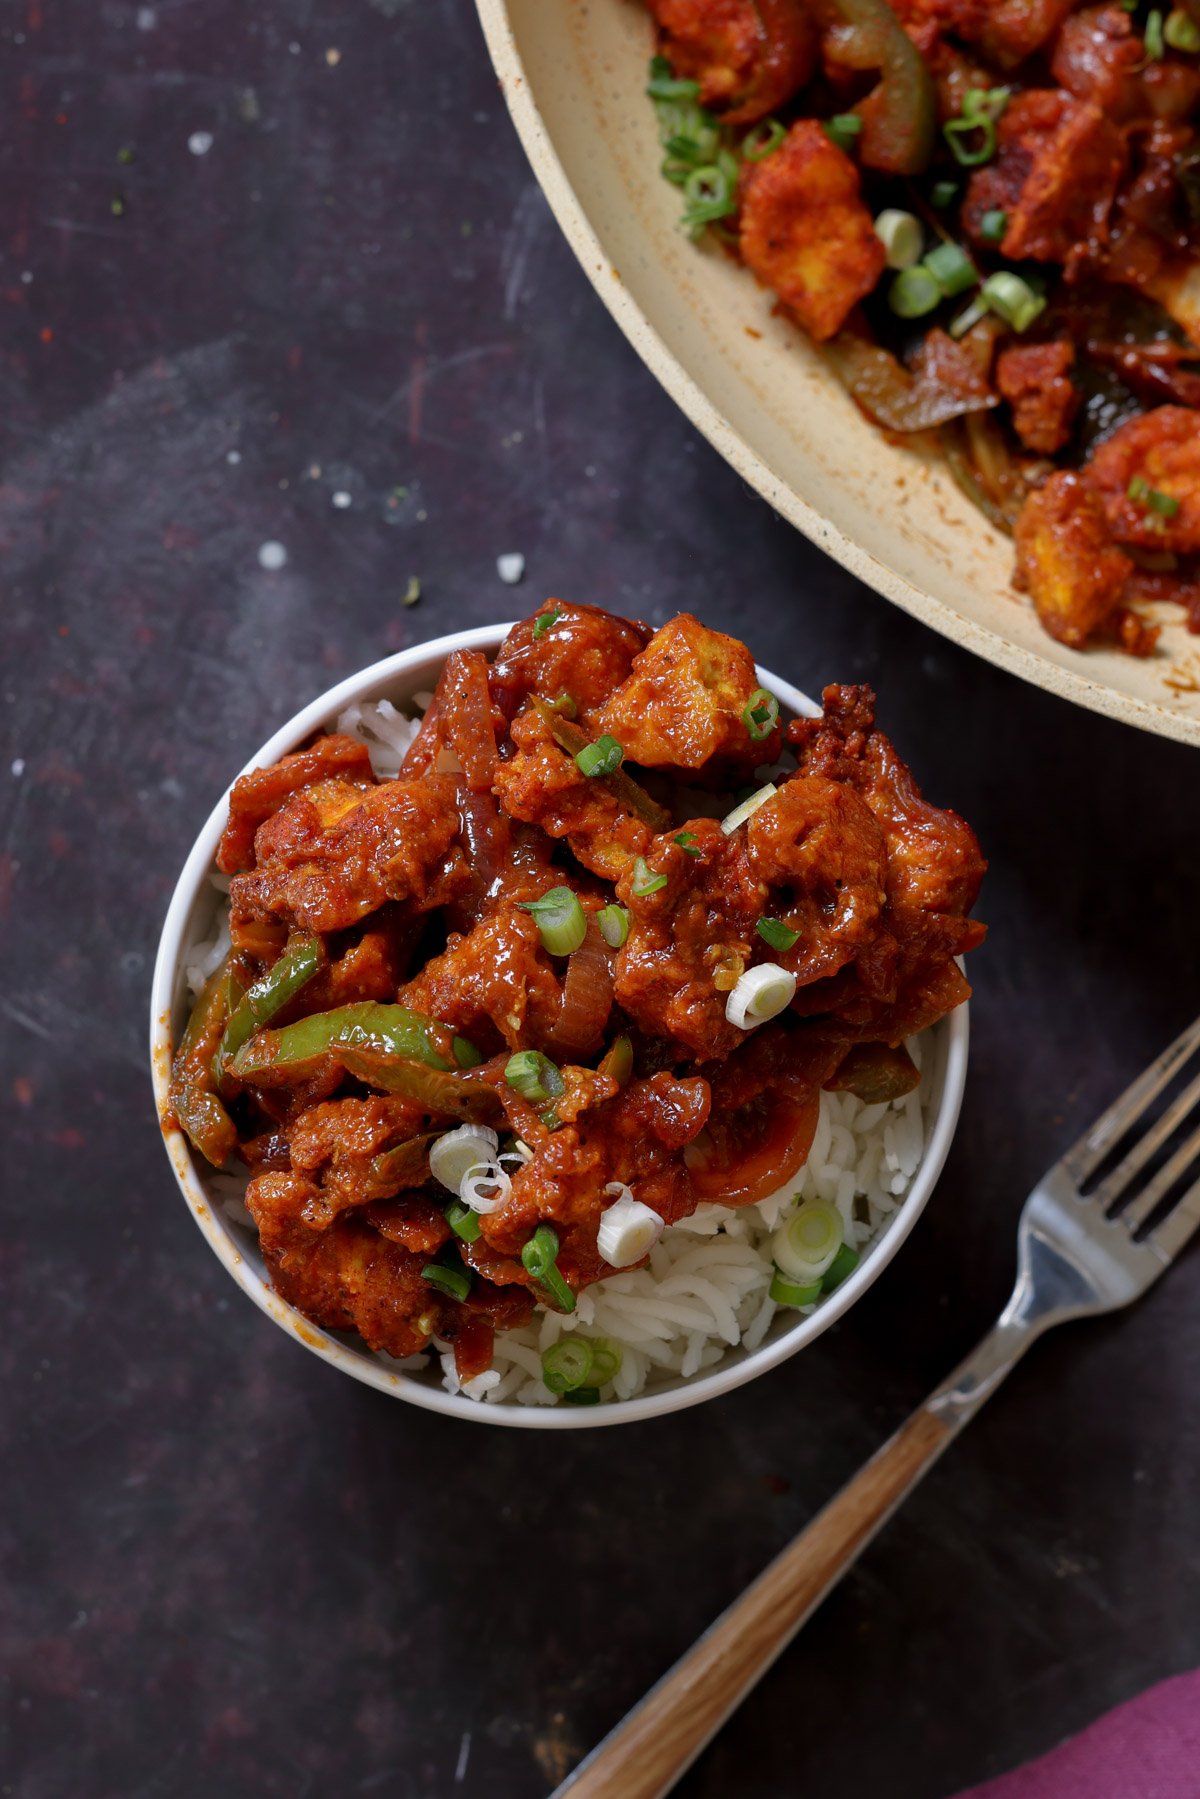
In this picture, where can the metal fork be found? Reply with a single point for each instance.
(1078, 1253)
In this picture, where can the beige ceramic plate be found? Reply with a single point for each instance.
(573, 73)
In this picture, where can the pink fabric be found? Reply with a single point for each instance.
(1146, 1749)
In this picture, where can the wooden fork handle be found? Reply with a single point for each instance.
(649, 1750)
(654, 1744)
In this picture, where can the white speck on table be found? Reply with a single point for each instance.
(341, 499)
(200, 143)
(18, 766)
(510, 567)
(271, 555)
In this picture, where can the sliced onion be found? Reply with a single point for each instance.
(628, 1230)
(459, 1151)
(748, 807)
(762, 992)
(485, 1187)
(586, 1001)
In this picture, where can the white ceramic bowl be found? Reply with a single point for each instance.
(189, 921)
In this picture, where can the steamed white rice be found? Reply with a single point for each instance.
(703, 1294)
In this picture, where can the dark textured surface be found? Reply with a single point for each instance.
(227, 1569)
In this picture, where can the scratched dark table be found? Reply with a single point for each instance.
(279, 275)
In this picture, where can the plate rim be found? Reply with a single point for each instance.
(605, 277)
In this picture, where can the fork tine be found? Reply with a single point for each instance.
(1086, 1155)
(1116, 1184)
(1155, 1191)
(1178, 1226)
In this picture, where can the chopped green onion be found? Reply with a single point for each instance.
(603, 757)
(943, 194)
(412, 593)
(614, 925)
(993, 225)
(606, 1361)
(762, 992)
(807, 1243)
(1013, 299)
(664, 84)
(843, 1263)
(617, 1060)
(544, 622)
(564, 705)
(534, 1076)
(901, 235)
(981, 108)
(582, 1396)
(561, 920)
(449, 1276)
(645, 880)
(710, 193)
(761, 139)
(567, 1364)
(125, 153)
(951, 268)
(789, 1293)
(1153, 36)
(843, 129)
(1142, 494)
(747, 808)
(117, 206)
(969, 317)
(913, 293)
(539, 1257)
(687, 841)
(1182, 32)
(776, 933)
(761, 715)
(462, 1221)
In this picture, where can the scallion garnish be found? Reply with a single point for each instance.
(448, 1275)
(761, 715)
(843, 129)
(951, 268)
(687, 841)
(582, 1396)
(843, 1263)
(539, 1257)
(462, 1221)
(1153, 36)
(600, 758)
(901, 235)
(791, 1293)
(564, 705)
(761, 139)
(561, 920)
(710, 193)
(617, 1060)
(544, 622)
(943, 194)
(535, 1077)
(913, 293)
(993, 225)
(1013, 299)
(747, 808)
(664, 84)
(614, 925)
(972, 135)
(970, 316)
(1181, 32)
(645, 880)
(807, 1243)
(1152, 498)
(567, 1364)
(779, 935)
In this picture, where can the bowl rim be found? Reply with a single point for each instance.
(1067, 683)
(424, 659)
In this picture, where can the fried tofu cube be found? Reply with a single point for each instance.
(749, 56)
(1054, 178)
(1066, 559)
(1148, 473)
(683, 702)
(805, 231)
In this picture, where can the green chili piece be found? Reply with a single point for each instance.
(539, 1256)
(196, 1108)
(269, 995)
(275, 1057)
